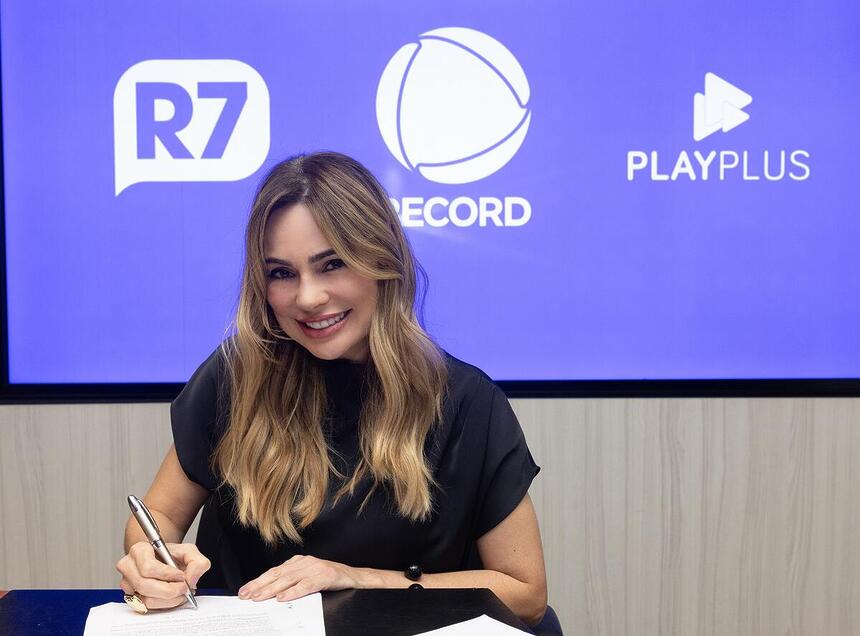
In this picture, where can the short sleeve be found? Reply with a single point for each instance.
(197, 417)
(508, 468)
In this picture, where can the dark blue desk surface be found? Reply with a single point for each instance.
(352, 612)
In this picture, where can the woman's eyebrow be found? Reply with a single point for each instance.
(318, 257)
(313, 259)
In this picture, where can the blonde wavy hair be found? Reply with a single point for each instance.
(274, 453)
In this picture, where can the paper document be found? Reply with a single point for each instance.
(481, 626)
(221, 615)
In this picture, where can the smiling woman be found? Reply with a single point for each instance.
(333, 443)
(323, 305)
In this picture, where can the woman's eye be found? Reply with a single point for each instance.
(279, 273)
(334, 263)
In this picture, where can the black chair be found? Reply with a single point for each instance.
(549, 625)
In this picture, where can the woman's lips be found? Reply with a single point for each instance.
(327, 331)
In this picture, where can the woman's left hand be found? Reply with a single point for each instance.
(299, 576)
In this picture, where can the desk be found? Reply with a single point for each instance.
(349, 612)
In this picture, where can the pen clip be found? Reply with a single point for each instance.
(149, 515)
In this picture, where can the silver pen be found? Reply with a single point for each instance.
(150, 529)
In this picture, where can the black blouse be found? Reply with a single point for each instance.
(478, 456)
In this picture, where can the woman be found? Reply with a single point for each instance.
(336, 445)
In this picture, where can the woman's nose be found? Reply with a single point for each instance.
(311, 294)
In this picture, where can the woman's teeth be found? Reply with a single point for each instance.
(326, 323)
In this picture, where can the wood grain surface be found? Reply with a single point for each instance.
(707, 517)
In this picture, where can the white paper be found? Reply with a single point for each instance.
(481, 626)
(221, 615)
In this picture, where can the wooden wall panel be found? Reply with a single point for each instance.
(708, 517)
(65, 472)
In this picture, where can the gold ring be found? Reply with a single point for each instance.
(135, 603)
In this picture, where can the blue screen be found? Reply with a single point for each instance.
(625, 190)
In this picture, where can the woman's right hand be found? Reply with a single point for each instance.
(161, 586)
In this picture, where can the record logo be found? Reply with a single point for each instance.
(453, 106)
